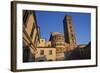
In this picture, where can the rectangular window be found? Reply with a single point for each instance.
(42, 52)
(42, 40)
(72, 35)
(50, 52)
(70, 26)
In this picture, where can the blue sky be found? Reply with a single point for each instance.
(50, 21)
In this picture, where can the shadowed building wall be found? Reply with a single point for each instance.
(30, 35)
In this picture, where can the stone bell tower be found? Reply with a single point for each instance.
(69, 33)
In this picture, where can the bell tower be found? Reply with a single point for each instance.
(69, 33)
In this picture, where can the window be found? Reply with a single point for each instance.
(71, 29)
(50, 60)
(49, 45)
(41, 60)
(50, 52)
(69, 22)
(42, 52)
(72, 35)
(70, 26)
(42, 40)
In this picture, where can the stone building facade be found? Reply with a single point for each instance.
(45, 54)
(58, 41)
(30, 35)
